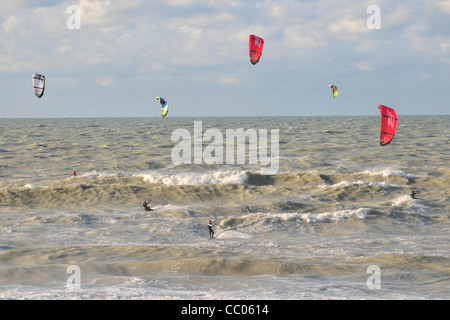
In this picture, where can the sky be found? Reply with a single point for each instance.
(112, 58)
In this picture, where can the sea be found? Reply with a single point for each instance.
(333, 218)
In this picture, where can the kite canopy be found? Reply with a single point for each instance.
(334, 90)
(255, 46)
(164, 106)
(38, 81)
(388, 124)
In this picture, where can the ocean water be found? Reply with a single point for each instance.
(335, 221)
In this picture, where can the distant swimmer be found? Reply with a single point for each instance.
(210, 228)
(74, 173)
(146, 207)
(413, 194)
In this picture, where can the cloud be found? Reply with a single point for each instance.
(443, 5)
(106, 81)
(348, 29)
(295, 37)
(182, 43)
(365, 66)
(276, 10)
(181, 3)
(100, 12)
(228, 79)
(69, 82)
(397, 16)
(10, 24)
(12, 7)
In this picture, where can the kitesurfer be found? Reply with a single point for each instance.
(210, 228)
(413, 194)
(74, 173)
(146, 207)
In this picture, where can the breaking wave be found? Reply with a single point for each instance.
(224, 187)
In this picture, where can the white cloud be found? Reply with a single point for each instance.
(276, 10)
(228, 79)
(181, 3)
(296, 37)
(365, 66)
(210, 20)
(398, 16)
(443, 5)
(348, 29)
(69, 82)
(12, 7)
(106, 81)
(97, 12)
(10, 24)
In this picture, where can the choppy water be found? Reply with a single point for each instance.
(338, 205)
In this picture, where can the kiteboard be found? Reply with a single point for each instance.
(149, 209)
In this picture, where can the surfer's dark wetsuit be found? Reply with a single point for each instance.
(211, 231)
(146, 206)
(413, 194)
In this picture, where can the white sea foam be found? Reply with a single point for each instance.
(190, 178)
(346, 183)
(416, 205)
(30, 186)
(336, 216)
(388, 172)
(331, 216)
(402, 200)
(233, 234)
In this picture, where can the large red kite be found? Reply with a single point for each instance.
(388, 124)
(255, 46)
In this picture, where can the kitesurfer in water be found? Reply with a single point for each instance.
(74, 173)
(413, 194)
(210, 228)
(146, 207)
